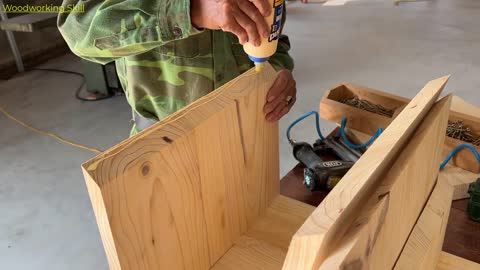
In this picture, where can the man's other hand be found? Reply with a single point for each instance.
(281, 96)
(244, 18)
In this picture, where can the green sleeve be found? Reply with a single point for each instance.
(281, 59)
(109, 29)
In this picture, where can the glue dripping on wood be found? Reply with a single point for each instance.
(259, 55)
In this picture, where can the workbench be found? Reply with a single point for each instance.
(462, 237)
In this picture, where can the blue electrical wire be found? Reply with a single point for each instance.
(458, 148)
(317, 123)
(355, 146)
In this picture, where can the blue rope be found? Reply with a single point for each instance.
(355, 146)
(458, 148)
(317, 119)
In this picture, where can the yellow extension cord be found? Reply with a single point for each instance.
(46, 133)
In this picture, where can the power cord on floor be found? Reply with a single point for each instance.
(50, 134)
(79, 89)
(53, 135)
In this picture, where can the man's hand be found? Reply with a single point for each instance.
(281, 96)
(244, 18)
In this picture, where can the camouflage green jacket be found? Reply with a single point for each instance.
(163, 62)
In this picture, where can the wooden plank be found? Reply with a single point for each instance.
(181, 193)
(252, 254)
(424, 244)
(375, 243)
(461, 106)
(448, 261)
(336, 213)
(460, 180)
(223, 189)
(280, 222)
(101, 215)
(265, 244)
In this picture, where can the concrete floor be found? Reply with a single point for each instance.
(47, 221)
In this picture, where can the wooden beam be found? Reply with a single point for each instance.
(461, 106)
(281, 220)
(375, 243)
(265, 245)
(459, 179)
(448, 261)
(424, 244)
(181, 193)
(312, 243)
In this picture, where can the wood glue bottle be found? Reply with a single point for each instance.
(268, 47)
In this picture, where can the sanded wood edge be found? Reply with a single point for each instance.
(424, 244)
(460, 179)
(337, 212)
(461, 106)
(447, 261)
(183, 121)
(374, 243)
(280, 221)
(360, 239)
(98, 205)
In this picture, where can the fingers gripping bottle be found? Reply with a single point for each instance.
(259, 55)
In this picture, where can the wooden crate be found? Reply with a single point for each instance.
(199, 190)
(332, 108)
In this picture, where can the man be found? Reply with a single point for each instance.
(169, 53)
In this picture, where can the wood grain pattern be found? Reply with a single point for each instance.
(224, 190)
(265, 245)
(180, 194)
(460, 180)
(424, 244)
(376, 242)
(461, 106)
(461, 237)
(448, 261)
(280, 222)
(336, 213)
(250, 253)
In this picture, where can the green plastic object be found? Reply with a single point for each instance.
(474, 203)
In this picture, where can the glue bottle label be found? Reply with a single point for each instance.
(277, 20)
(269, 45)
